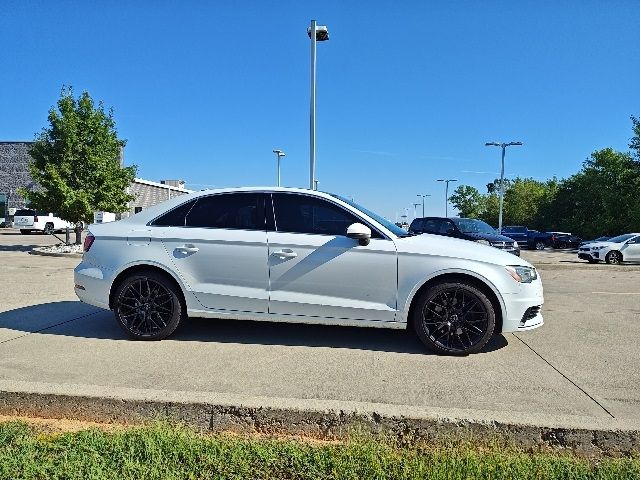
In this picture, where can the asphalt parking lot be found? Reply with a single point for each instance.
(581, 368)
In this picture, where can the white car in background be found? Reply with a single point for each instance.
(623, 248)
(28, 220)
(295, 255)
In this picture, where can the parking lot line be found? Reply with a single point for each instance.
(616, 293)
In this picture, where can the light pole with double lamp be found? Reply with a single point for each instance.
(425, 195)
(503, 146)
(446, 193)
(279, 155)
(320, 34)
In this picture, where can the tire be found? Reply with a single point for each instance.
(48, 229)
(148, 306)
(442, 307)
(540, 245)
(25, 232)
(613, 258)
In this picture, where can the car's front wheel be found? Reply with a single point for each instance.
(613, 258)
(454, 318)
(147, 306)
(540, 245)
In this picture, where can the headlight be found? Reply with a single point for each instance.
(483, 242)
(522, 274)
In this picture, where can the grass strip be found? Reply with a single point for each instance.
(171, 452)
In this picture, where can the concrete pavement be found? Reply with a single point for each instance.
(580, 370)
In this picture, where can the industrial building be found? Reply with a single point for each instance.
(14, 174)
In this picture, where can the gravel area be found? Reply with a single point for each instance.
(61, 248)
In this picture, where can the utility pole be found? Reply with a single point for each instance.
(317, 33)
(425, 195)
(446, 194)
(279, 155)
(503, 146)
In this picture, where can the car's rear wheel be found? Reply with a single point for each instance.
(454, 318)
(540, 245)
(147, 306)
(613, 258)
(48, 229)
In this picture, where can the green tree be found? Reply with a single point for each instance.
(600, 199)
(634, 144)
(469, 201)
(76, 162)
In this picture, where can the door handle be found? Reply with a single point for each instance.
(187, 249)
(286, 253)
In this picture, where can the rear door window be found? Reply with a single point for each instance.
(243, 211)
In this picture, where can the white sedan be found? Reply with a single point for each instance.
(623, 248)
(295, 255)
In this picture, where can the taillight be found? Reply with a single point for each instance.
(88, 241)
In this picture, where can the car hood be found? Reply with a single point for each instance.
(491, 237)
(437, 245)
(602, 244)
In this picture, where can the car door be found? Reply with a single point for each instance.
(220, 251)
(631, 251)
(315, 270)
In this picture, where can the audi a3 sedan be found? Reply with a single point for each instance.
(295, 255)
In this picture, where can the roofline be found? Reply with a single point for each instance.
(161, 185)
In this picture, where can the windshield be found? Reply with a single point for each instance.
(469, 225)
(621, 238)
(392, 227)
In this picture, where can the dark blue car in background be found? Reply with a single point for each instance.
(465, 228)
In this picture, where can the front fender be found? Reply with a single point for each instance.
(405, 300)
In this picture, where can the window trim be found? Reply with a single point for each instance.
(367, 223)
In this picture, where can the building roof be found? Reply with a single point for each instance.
(161, 185)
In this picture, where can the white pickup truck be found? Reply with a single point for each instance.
(28, 220)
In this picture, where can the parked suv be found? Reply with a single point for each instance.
(28, 220)
(465, 228)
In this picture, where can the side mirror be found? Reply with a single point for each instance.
(359, 232)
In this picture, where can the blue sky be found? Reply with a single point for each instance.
(408, 92)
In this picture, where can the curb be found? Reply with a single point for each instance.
(36, 251)
(320, 423)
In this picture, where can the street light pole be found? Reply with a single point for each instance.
(316, 34)
(415, 210)
(503, 146)
(425, 195)
(446, 193)
(279, 155)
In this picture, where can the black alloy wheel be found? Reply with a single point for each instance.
(147, 306)
(540, 245)
(454, 318)
(614, 258)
